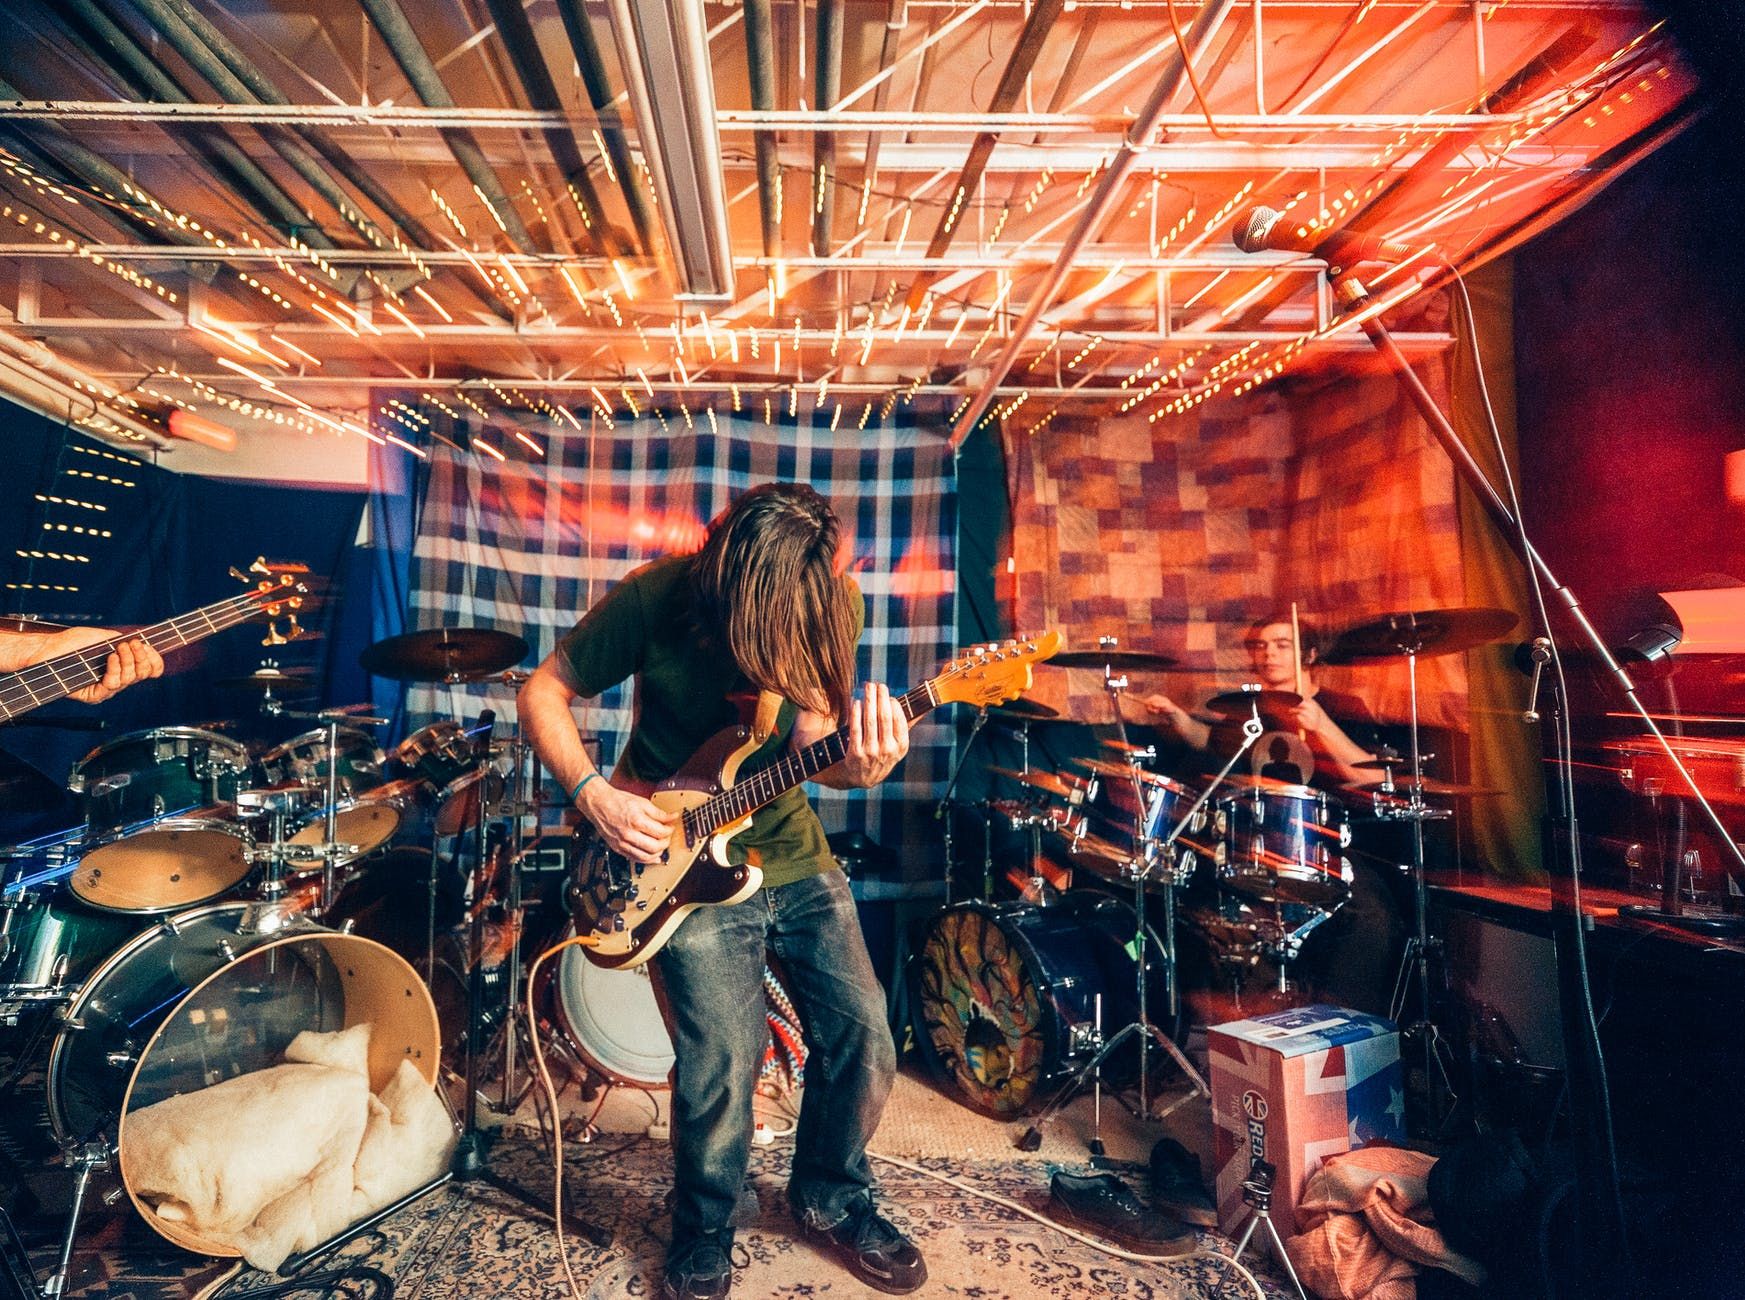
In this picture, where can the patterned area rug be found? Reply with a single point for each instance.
(476, 1243)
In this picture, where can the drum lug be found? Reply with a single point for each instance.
(226, 950)
(121, 1060)
(168, 926)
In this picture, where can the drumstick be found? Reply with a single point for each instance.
(1297, 660)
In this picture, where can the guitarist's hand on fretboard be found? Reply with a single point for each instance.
(878, 738)
(629, 824)
(129, 662)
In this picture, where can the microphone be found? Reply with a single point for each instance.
(1260, 228)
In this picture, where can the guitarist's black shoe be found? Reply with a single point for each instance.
(700, 1269)
(872, 1248)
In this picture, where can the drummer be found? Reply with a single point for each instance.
(131, 661)
(1319, 717)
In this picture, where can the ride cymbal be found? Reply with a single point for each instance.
(1121, 660)
(1423, 632)
(444, 654)
(1048, 782)
(1019, 711)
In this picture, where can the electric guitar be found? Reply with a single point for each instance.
(279, 592)
(624, 911)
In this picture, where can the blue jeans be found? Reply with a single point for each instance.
(712, 969)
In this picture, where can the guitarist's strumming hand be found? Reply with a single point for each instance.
(629, 824)
(878, 738)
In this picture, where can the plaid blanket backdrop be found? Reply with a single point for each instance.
(526, 547)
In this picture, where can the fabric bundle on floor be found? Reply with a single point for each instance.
(278, 1160)
(1367, 1228)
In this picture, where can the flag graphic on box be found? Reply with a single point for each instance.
(1295, 1087)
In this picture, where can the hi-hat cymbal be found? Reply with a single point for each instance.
(1117, 771)
(271, 679)
(444, 654)
(1020, 711)
(1423, 632)
(1238, 704)
(1119, 660)
(1048, 782)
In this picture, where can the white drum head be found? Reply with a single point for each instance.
(613, 1020)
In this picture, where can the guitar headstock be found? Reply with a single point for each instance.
(278, 592)
(985, 675)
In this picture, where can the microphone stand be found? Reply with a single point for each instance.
(942, 809)
(1588, 1094)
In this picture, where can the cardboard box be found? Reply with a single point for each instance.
(1295, 1087)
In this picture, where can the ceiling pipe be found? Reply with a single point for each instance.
(66, 383)
(265, 91)
(760, 59)
(594, 79)
(51, 141)
(1018, 67)
(529, 63)
(896, 19)
(116, 50)
(408, 51)
(1096, 211)
(165, 18)
(828, 91)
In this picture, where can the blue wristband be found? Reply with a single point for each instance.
(579, 784)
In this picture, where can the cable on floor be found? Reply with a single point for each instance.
(1047, 1222)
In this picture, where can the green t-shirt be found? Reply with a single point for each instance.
(686, 692)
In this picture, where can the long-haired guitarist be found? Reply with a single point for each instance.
(763, 607)
(130, 662)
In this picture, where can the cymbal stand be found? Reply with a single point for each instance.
(942, 809)
(1415, 961)
(1151, 852)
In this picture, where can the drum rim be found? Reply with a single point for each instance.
(287, 748)
(559, 1002)
(225, 826)
(176, 733)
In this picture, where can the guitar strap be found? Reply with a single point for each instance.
(763, 722)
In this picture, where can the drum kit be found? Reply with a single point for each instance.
(128, 944)
(1010, 998)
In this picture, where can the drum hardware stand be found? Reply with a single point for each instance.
(1415, 961)
(85, 1160)
(1152, 853)
(470, 1151)
(1257, 1196)
(942, 810)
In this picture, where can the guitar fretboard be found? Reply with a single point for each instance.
(768, 783)
(52, 679)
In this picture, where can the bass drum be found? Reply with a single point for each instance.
(1004, 995)
(195, 1000)
(612, 1019)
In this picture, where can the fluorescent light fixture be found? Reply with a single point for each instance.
(663, 46)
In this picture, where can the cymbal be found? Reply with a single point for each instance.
(1019, 711)
(1424, 632)
(1441, 789)
(1238, 704)
(1046, 781)
(444, 654)
(1117, 771)
(1121, 660)
(271, 679)
(1130, 751)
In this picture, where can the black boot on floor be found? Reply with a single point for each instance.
(700, 1269)
(1177, 1185)
(1102, 1204)
(871, 1247)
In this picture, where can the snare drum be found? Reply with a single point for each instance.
(304, 758)
(1283, 844)
(196, 1000)
(138, 777)
(1005, 995)
(441, 754)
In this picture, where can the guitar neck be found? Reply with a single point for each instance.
(53, 679)
(769, 783)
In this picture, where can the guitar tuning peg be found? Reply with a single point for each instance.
(260, 565)
(238, 574)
